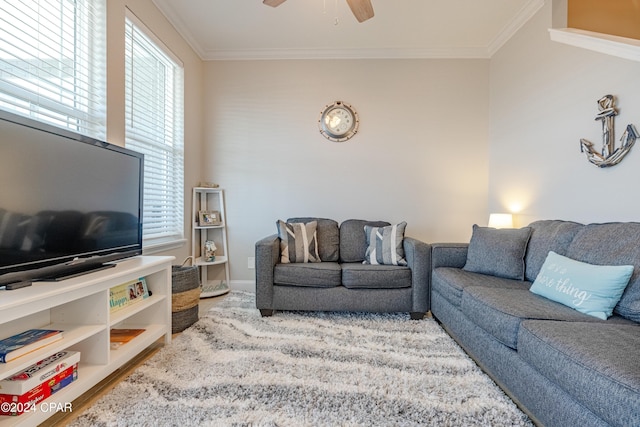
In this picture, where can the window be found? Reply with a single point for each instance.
(52, 62)
(154, 127)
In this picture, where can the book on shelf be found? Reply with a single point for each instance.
(128, 293)
(118, 337)
(26, 342)
(13, 404)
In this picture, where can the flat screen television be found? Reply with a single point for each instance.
(68, 203)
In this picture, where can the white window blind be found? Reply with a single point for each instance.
(53, 62)
(154, 127)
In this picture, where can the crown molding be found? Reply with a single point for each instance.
(521, 18)
(400, 53)
(181, 27)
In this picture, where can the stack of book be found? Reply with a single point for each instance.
(26, 342)
(23, 391)
(128, 293)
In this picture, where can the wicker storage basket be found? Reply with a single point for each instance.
(185, 297)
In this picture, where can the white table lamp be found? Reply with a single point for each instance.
(501, 220)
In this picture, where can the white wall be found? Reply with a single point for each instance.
(421, 153)
(543, 100)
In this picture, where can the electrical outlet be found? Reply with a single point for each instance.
(251, 262)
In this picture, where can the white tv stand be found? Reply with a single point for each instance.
(80, 307)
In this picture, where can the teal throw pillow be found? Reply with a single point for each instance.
(591, 289)
(384, 244)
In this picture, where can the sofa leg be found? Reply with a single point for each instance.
(265, 312)
(417, 315)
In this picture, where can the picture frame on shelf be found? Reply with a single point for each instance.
(209, 218)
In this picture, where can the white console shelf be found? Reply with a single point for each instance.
(80, 307)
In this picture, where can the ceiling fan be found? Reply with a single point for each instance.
(362, 9)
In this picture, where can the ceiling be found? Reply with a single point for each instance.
(303, 29)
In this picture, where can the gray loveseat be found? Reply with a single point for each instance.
(563, 367)
(341, 282)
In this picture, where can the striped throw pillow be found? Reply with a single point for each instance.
(384, 244)
(298, 242)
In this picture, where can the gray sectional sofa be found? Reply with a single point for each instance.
(341, 282)
(563, 367)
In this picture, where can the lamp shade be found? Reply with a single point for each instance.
(501, 220)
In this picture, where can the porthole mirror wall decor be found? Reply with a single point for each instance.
(338, 122)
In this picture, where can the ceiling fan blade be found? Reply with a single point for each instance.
(362, 9)
(273, 3)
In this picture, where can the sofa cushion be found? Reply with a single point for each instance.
(371, 276)
(451, 282)
(328, 237)
(547, 235)
(590, 289)
(384, 244)
(319, 275)
(298, 242)
(596, 363)
(353, 242)
(499, 252)
(613, 244)
(500, 311)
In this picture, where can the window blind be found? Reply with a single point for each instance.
(154, 126)
(53, 62)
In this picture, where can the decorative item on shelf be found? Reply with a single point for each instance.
(338, 122)
(128, 293)
(609, 155)
(210, 251)
(209, 218)
(214, 288)
(206, 184)
(500, 220)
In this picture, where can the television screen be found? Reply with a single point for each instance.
(65, 196)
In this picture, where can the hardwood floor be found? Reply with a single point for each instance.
(105, 386)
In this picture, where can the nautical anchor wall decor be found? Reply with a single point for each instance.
(610, 155)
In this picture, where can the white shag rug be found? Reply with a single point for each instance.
(236, 368)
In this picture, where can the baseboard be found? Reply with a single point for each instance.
(243, 285)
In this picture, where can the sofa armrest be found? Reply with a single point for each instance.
(267, 256)
(448, 255)
(418, 256)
